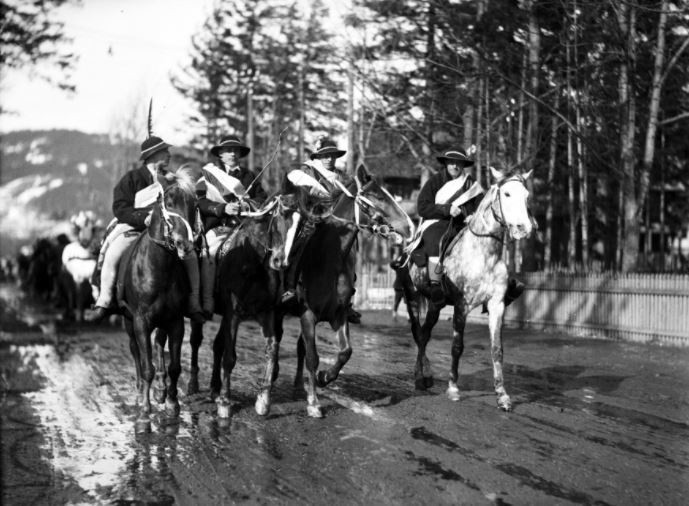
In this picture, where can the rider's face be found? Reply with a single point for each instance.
(454, 169)
(160, 160)
(230, 156)
(327, 161)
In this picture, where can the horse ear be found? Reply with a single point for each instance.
(362, 174)
(497, 175)
(527, 175)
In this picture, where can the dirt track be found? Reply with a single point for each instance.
(594, 422)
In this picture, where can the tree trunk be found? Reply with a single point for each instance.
(550, 184)
(631, 207)
(581, 170)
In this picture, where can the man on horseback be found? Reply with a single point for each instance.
(324, 182)
(133, 199)
(444, 202)
(225, 190)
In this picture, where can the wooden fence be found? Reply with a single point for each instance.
(649, 308)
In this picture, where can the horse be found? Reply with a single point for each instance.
(43, 267)
(78, 263)
(475, 274)
(327, 287)
(248, 288)
(153, 289)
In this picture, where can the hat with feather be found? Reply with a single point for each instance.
(152, 144)
(326, 146)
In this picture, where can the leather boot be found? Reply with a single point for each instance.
(191, 265)
(207, 286)
(514, 289)
(437, 294)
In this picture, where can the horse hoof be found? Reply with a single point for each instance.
(321, 379)
(428, 381)
(314, 411)
(453, 394)
(223, 410)
(420, 384)
(505, 403)
(172, 407)
(262, 405)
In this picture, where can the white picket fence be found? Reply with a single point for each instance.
(649, 308)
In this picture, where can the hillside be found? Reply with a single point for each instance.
(47, 176)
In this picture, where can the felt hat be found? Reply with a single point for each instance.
(230, 141)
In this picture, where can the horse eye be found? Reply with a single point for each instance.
(507, 194)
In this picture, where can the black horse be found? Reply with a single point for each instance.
(328, 274)
(153, 289)
(248, 288)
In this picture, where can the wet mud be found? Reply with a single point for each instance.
(594, 422)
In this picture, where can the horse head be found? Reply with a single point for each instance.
(85, 226)
(510, 203)
(279, 215)
(382, 213)
(173, 215)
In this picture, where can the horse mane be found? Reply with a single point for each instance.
(185, 179)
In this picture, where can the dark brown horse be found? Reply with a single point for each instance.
(475, 274)
(328, 274)
(248, 288)
(153, 289)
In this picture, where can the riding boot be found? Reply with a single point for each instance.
(399, 261)
(207, 286)
(191, 265)
(437, 295)
(514, 289)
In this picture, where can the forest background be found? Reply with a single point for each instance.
(593, 96)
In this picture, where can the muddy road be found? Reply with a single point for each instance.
(594, 422)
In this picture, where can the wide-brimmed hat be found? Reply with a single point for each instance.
(151, 146)
(230, 141)
(455, 155)
(326, 146)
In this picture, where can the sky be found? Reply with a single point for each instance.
(127, 51)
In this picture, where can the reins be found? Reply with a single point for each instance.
(500, 219)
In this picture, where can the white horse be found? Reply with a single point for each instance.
(78, 263)
(475, 274)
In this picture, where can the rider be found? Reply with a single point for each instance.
(133, 199)
(438, 200)
(223, 195)
(325, 181)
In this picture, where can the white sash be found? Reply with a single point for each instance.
(147, 196)
(219, 184)
(300, 178)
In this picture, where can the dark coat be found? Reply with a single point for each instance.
(213, 213)
(429, 210)
(124, 194)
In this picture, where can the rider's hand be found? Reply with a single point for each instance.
(232, 209)
(455, 210)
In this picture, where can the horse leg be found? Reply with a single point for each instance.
(423, 376)
(325, 377)
(134, 348)
(160, 381)
(229, 359)
(218, 350)
(142, 331)
(262, 405)
(176, 336)
(458, 324)
(301, 352)
(308, 330)
(195, 340)
(496, 310)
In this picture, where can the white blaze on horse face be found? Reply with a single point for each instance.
(513, 204)
(291, 233)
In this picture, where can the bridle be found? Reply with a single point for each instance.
(499, 215)
(167, 241)
(371, 209)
